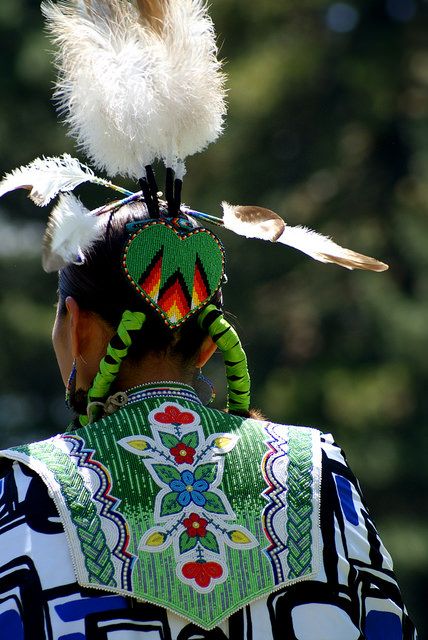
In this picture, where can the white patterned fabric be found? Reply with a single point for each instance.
(354, 595)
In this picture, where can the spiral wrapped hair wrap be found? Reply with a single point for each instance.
(117, 351)
(224, 335)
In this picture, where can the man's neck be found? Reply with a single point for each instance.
(152, 369)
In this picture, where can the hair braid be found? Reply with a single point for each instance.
(224, 335)
(117, 351)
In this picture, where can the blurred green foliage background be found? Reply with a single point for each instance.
(328, 126)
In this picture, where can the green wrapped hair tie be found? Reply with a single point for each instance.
(117, 351)
(224, 335)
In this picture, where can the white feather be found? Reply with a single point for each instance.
(252, 222)
(324, 249)
(46, 177)
(132, 93)
(71, 231)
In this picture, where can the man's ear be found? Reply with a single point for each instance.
(74, 314)
(205, 352)
(86, 330)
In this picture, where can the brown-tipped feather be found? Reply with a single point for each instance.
(261, 215)
(253, 222)
(153, 12)
(325, 249)
(353, 260)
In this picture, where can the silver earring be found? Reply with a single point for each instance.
(204, 388)
(71, 384)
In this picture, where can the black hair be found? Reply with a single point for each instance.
(100, 285)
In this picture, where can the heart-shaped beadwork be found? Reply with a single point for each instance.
(176, 271)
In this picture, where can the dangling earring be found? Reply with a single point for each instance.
(71, 384)
(204, 388)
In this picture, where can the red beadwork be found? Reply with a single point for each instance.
(202, 572)
(195, 526)
(172, 415)
(183, 454)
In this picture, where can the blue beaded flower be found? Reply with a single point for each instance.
(189, 490)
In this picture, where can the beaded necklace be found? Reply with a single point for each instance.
(162, 389)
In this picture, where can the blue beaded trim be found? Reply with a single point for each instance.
(163, 392)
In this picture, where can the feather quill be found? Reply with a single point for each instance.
(46, 177)
(70, 232)
(132, 91)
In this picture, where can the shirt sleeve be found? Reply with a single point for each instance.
(39, 595)
(355, 557)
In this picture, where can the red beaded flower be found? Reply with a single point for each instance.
(202, 572)
(172, 415)
(195, 526)
(182, 453)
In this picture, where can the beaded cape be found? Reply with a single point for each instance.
(186, 507)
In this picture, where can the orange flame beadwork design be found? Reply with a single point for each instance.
(174, 298)
(150, 281)
(200, 285)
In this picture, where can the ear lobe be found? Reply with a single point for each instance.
(205, 352)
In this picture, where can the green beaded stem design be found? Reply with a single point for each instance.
(117, 351)
(83, 511)
(300, 508)
(224, 335)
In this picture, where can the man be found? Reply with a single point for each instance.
(154, 515)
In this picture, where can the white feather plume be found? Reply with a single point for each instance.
(71, 231)
(133, 90)
(46, 177)
(324, 249)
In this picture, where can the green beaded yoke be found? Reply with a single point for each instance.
(189, 508)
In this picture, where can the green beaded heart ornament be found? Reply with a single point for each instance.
(176, 271)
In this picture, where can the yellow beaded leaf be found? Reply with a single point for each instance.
(156, 539)
(140, 445)
(239, 537)
(223, 442)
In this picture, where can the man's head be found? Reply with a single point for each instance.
(94, 295)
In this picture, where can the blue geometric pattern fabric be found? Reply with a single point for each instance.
(354, 596)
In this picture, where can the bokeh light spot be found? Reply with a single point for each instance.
(401, 10)
(342, 17)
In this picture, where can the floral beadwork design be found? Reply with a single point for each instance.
(182, 453)
(190, 489)
(195, 526)
(191, 512)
